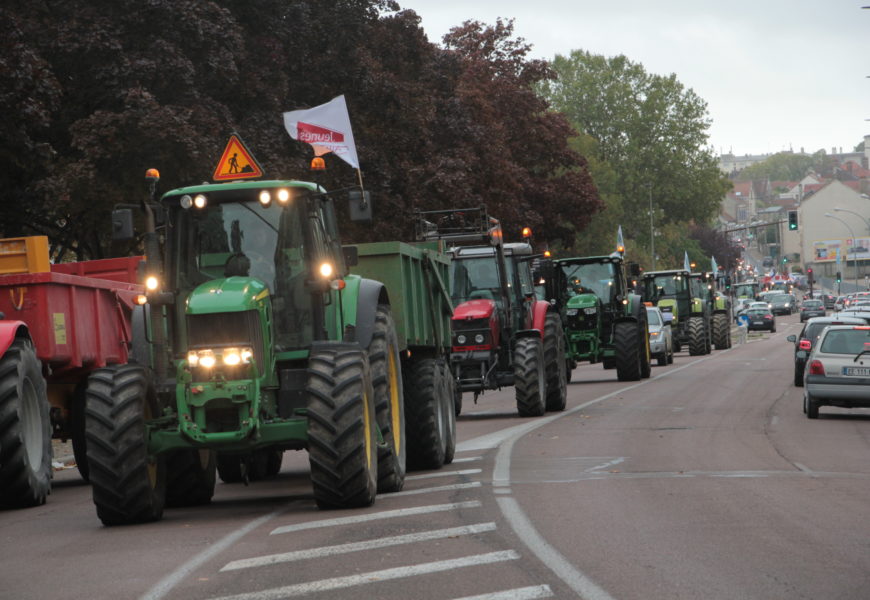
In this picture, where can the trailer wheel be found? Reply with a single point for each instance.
(529, 376)
(190, 477)
(25, 429)
(128, 485)
(389, 401)
(342, 434)
(449, 411)
(697, 336)
(554, 362)
(426, 404)
(628, 355)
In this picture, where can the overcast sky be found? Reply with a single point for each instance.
(776, 74)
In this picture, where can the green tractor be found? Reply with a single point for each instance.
(680, 299)
(254, 338)
(718, 306)
(604, 321)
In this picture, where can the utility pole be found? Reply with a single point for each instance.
(652, 234)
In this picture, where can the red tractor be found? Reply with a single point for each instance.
(502, 334)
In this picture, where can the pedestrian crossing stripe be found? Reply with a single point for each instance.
(237, 162)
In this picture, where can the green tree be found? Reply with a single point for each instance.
(783, 166)
(650, 131)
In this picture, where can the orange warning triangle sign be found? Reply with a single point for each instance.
(236, 163)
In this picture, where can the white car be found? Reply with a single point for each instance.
(837, 371)
(661, 341)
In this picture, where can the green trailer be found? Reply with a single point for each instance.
(259, 333)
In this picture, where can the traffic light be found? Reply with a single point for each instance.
(810, 275)
(839, 279)
(792, 220)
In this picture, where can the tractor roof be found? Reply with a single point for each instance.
(211, 188)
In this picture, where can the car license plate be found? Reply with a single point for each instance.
(857, 371)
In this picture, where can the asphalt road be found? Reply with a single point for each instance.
(705, 481)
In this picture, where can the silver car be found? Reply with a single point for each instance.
(661, 341)
(838, 369)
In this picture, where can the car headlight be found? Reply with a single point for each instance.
(655, 334)
(787, 304)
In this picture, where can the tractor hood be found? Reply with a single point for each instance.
(582, 301)
(474, 309)
(233, 294)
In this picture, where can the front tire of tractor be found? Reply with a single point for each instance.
(25, 429)
(628, 351)
(342, 435)
(128, 486)
(721, 332)
(529, 376)
(554, 363)
(697, 336)
(190, 477)
(449, 412)
(429, 412)
(389, 402)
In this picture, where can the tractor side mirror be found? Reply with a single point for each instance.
(122, 225)
(351, 255)
(360, 205)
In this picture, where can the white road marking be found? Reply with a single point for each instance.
(337, 583)
(577, 581)
(526, 593)
(165, 585)
(609, 463)
(441, 488)
(467, 459)
(396, 540)
(386, 514)
(442, 474)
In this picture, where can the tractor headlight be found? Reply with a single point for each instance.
(151, 283)
(326, 270)
(461, 339)
(230, 357)
(590, 311)
(478, 339)
(571, 312)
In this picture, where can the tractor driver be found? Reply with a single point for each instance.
(578, 288)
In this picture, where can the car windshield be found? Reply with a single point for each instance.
(781, 298)
(812, 303)
(653, 318)
(846, 341)
(758, 311)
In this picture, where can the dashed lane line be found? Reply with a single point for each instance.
(376, 516)
(384, 542)
(337, 583)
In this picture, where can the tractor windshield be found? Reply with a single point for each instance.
(247, 239)
(476, 278)
(663, 285)
(595, 278)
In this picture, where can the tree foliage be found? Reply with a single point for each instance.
(104, 89)
(650, 136)
(786, 166)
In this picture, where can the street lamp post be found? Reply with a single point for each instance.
(652, 235)
(854, 254)
(866, 222)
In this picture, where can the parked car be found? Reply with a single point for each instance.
(838, 370)
(782, 304)
(812, 308)
(806, 339)
(761, 318)
(661, 341)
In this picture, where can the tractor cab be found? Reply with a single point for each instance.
(670, 291)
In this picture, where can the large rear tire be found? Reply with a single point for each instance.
(128, 486)
(529, 376)
(430, 415)
(389, 402)
(721, 331)
(342, 439)
(77, 430)
(190, 477)
(697, 336)
(449, 412)
(628, 357)
(554, 363)
(25, 429)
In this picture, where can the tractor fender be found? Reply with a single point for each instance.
(9, 330)
(539, 315)
(370, 294)
(524, 333)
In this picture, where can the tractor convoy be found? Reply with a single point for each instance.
(248, 329)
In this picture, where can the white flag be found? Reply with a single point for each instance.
(686, 264)
(326, 128)
(713, 266)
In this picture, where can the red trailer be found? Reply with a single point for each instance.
(57, 324)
